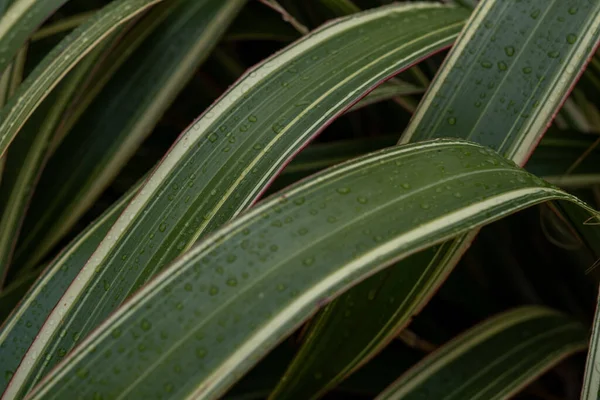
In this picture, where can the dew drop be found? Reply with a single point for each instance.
(509, 50)
(452, 121)
(553, 54)
(201, 352)
(146, 325)
(343, 190)
(232, 282)
(83, 373)
(308, 261)
(571, 38)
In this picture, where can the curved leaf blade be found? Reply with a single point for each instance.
(210, 316)
(26, 158)
(20, 329)
(18, 22)
(179, 202)
(122, 116)
(519, 83)
(493, 360)
(521, 79)
(60, 61)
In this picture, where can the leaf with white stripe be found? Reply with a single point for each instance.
(551, 160)
(225, 160)
(122, 116)
(499, 86)
(27, 155)
(19, 20)
(493, 360)
(60, 61)
(203, 322)
(20, 329)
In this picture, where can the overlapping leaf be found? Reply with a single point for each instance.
(26, 157)
(20, 329)
(224, 161)
(19, 20)
(121, 116)
(210, 316)
(494, 359)
(551, 160)
(60, 61)
(501, 85)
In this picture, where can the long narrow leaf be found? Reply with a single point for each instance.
(19, 331)
(551, 160)
(121, 117)
(60, 61)
(26, 157)
(494, 359)
(225, 160)
(18, 22)
(499, 86)
(210, 316)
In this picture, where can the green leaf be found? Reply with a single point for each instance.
(121, 117)
(551, 160)
(60, 61)
(13, 293)
(224, 161)
(388, 91)
(10, 79)
(495, 359)
(519, 80)
(26, 157)
(558, 152)
(19, 331)
(500, 87)
(63, 25)
(18, 22)
(202, 323)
